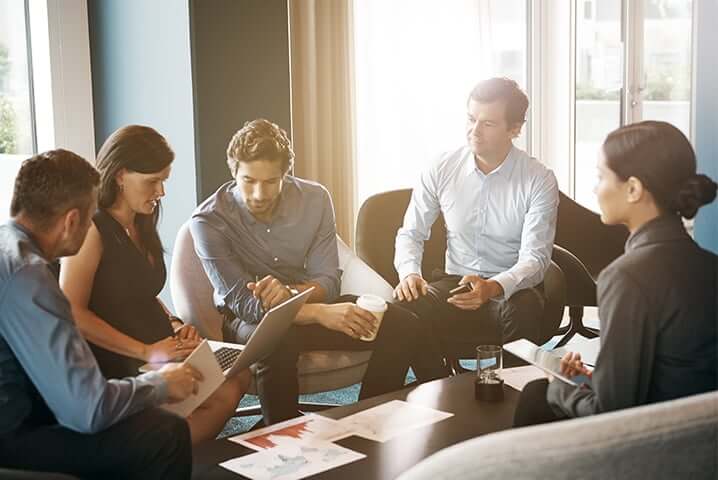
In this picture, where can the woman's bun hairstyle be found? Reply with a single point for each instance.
(662, 158)
(695, 192)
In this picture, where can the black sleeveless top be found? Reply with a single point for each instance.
(124, 294)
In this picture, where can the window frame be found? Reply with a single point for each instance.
(59, 77)
(60, 85)
(545, 143)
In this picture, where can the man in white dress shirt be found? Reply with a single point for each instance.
(500, 207)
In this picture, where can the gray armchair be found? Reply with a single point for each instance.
(663, 441)
(320, 370)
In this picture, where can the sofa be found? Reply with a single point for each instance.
(671, 440)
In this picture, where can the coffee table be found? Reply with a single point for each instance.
(388, 460)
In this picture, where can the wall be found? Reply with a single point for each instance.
(195, 71)
(240, 54)
(142, 74)
(706, 115)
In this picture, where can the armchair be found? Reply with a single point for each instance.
(380, 217)
(319, 371)
(583, 247)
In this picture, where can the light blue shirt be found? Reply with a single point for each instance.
(43, 357)
(499, 226)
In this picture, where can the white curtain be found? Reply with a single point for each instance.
(416, 62)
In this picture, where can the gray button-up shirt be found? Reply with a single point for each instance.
(299, 245)
(658, 309)
(43, 357)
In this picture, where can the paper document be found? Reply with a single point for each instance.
(391, 419)
(306, 429)
(203, 360)
(518, 377)
(292, 461)
(535, 355)
(587, 347)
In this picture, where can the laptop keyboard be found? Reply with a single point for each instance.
(226, 357)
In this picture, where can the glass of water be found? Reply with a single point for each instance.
(488, 363)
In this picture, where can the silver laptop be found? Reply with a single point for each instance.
(219, 360)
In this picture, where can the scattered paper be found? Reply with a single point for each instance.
(292, 461)
(308, 429)
(518, 377)
(301, 447)
(388, 420)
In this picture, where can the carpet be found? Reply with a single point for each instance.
(343, 396)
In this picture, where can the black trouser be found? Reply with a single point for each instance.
(152, 444)
(401, 341)
(495, 322)
(533, 407)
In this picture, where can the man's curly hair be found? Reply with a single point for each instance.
(260, 139)
(51, 183)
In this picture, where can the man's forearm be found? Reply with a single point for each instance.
(496, 291)
(409, 252)
(318, 295)
(308, 314)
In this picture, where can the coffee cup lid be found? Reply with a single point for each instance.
(373, 303)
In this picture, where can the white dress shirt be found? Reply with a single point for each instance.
(499, 226)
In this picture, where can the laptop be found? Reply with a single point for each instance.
(547, 361)
(217, 361)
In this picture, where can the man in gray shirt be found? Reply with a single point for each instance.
(57, 412)
(267, 235)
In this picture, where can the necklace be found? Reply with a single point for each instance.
(125, 228)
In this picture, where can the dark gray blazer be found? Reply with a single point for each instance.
(658, 309)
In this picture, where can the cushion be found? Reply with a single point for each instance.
(358, 278)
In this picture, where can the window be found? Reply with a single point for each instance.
(45, 96)
(589, 66)
(599, 80)
(633, 62)
(665, 93)
(16, 116)
(415, 64)
(17, 139)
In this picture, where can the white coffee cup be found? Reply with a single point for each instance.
(377, 306)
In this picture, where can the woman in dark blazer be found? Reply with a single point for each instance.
(657, 302)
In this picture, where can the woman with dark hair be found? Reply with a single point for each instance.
(657, 302)
(113, 281)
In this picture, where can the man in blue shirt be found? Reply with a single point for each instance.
(268, 234)
(499, 207)
(57, 412)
